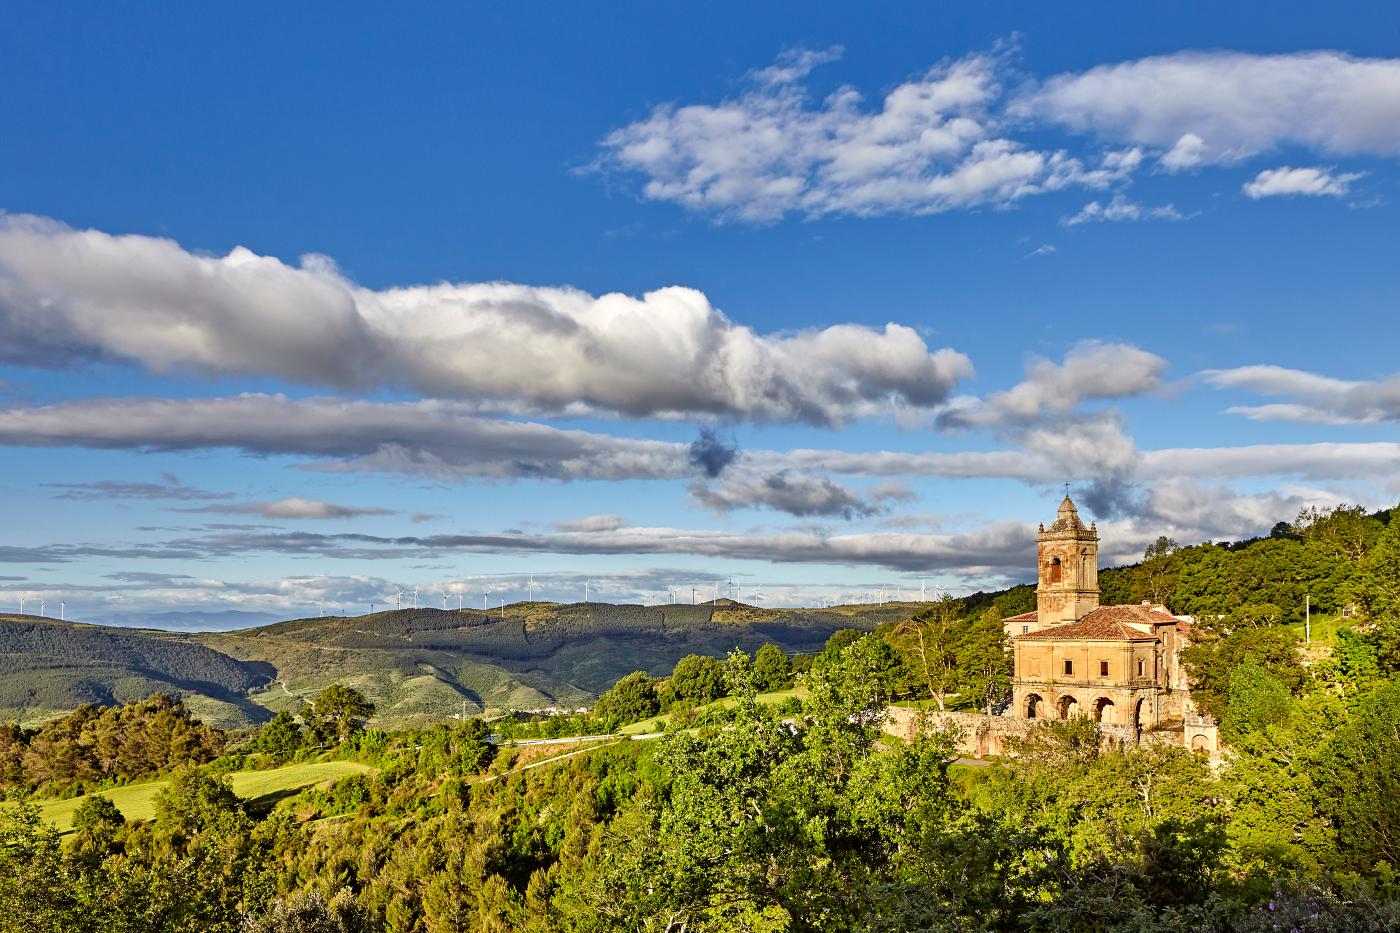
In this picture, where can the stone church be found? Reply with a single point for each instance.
(1120, 665)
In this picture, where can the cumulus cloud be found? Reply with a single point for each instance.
(932, 144)
(293, 508)
(1289, 182)
(71, 295)
(1221, 107)
(1091, 371)
(797, 494)
(1313, 399)
(1120, 208)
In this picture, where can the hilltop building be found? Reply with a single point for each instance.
(1121, 665)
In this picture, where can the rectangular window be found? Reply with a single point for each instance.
(1103, 668)
(1140, 664)
(1025, 630)
(1069, 666)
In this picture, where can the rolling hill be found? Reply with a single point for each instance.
(48, 667)
(416, 664)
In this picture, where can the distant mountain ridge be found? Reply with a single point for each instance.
(416, 664)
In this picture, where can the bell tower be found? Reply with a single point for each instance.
(1068, 555)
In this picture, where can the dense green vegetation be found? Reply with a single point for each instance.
(772, 821)
(791, 816)
(118, 743)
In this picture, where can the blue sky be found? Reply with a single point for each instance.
(298, 307)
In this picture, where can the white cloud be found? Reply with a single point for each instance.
(932, 145)
(1187, 152)
(1288, 181)
(1221, 107)
(1120, 208)
(1314, 399)
(292, 508)
(1091, 371)
(68, 295)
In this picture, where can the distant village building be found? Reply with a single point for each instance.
(1119, 665)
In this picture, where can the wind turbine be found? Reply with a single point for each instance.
(43, 606)
(716, 599)
(459, 600)
(484, 594)
(444, 600)
(398, 599)
(586, 584)
(415, 597)
(21, 604)
(530, 589)
(62, 611)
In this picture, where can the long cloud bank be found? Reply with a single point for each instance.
(446, 440)
(71, 295)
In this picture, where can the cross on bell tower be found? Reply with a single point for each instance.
(1068, 558)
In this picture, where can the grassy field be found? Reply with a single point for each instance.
(658, 723)
(137, 801)
(1324, 628)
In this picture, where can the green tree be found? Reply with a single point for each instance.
(281, 737)
(338, 712)
(631, 699)
(1376, 586)
(1156, 577)
(97, 824)
(771, 668)
(696, 679)
(1213, 658)
(1359, 776)
(984, 665)
(1256, 700)
(927, 646)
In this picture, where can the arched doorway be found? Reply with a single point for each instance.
(1103, 710)
(1200, 743)
(1034, 706)
(1137, 714)
(1069, 707)
(1056, 571)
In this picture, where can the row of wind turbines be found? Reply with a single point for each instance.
(674, 595)
(44, 607)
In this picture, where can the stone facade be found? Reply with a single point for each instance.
(1120, 665)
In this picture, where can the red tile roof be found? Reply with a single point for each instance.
(1023, 617)
(1108, 623)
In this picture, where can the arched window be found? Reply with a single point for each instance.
(1055, 571)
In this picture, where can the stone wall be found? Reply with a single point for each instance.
(978, 735)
